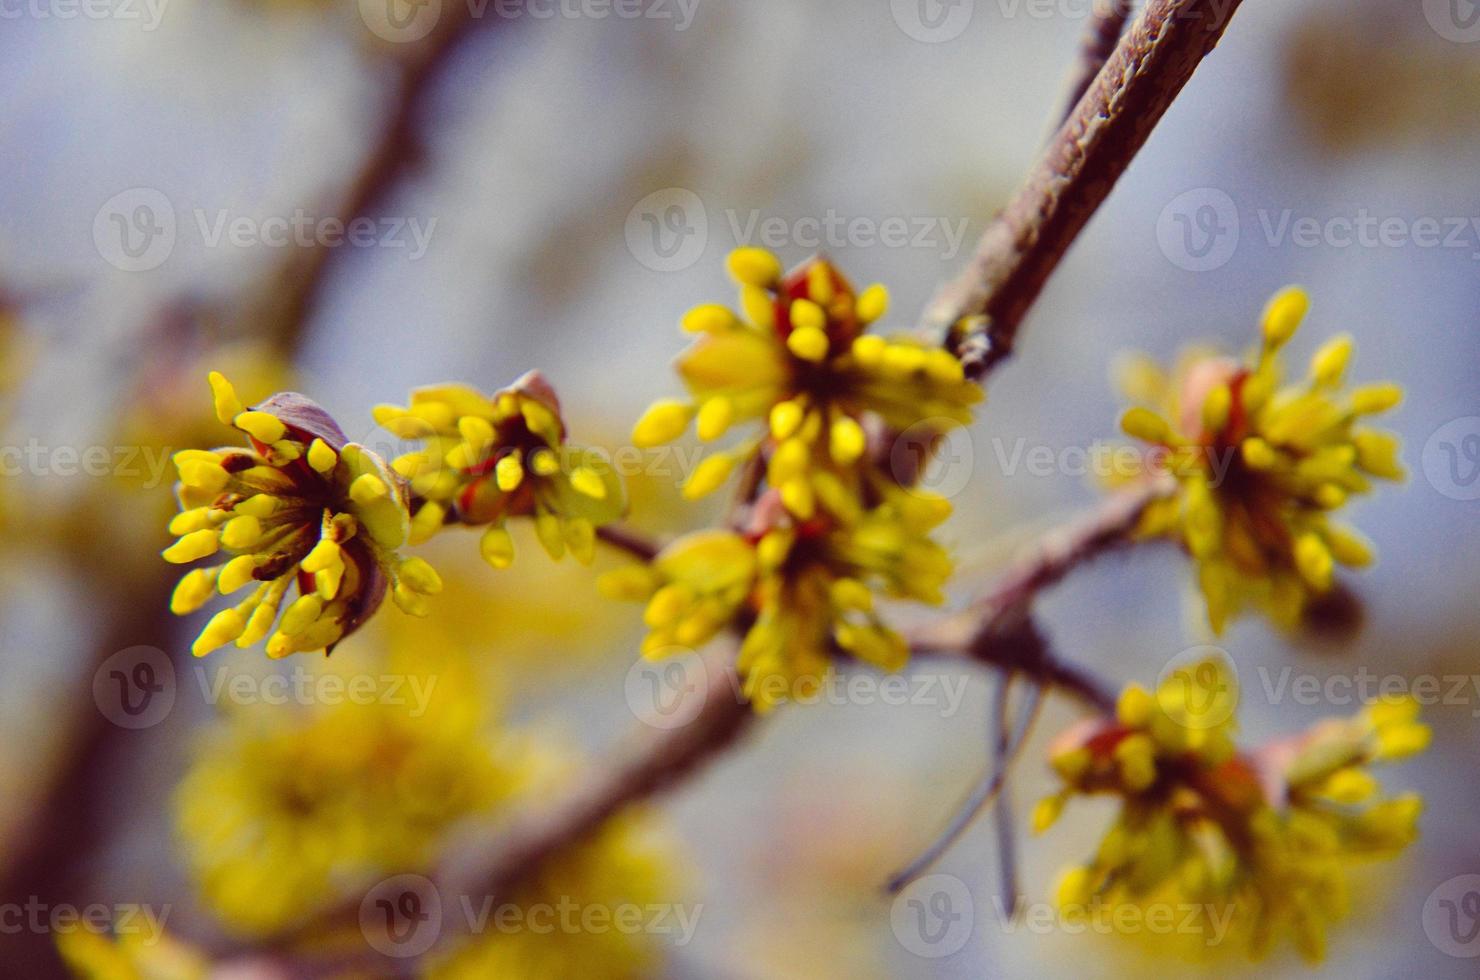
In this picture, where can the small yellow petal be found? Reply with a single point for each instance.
(786, 418)
(227, 405)
(663, 422)
(708, 476)
(715, 417)
(261, 426)
(241, 532)
(873, 303)
(193, 591)
(1329, 363)
(193, 546)
(806, 314)
(1146, 425)
(808, 343)
(321, 457)
(224, 627)
(754, 267)
(709, 318)
(589, 482)
(508, 472)
(420, 576)
(846, 441)
(1313, 560)
(1283, 315)
(1372, 399)
(236, 573)
(497, 547)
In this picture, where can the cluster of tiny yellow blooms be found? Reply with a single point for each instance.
(797, 360)
(283, 814)
(282, 810)
(833, 524)
(803, 588)
(625, 864)
(298, 506)
(134, 955)
(1265, 838)
(1261, 465)
(488, 458)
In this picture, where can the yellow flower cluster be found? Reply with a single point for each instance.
(487, 459)
(283, 809)
(798, 360)
(299, 505)
(138, 954)
(805, 588)
(285, 813)
(623, 867)
(1261, 465)
(1265, 840)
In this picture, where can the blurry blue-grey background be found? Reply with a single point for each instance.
(577, 183)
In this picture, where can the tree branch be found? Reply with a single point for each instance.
(1078, 169)
(1100, 38)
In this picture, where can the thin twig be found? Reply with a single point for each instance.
(625, 539)
(1101, 36)
(999, 735)
(985, 792)
(1074, 175)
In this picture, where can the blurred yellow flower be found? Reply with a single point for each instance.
(1261, 466)
(129, 956)
(596, 910)
(300, 506)
(1262, 841)
(797, 359)
(283, 811)
(487, 459)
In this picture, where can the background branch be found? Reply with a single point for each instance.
(53, 839)
(1072, 178)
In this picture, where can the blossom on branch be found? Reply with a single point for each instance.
(804, 590)
(1265, 837)
(300, 506)
(798, 359)
(1261, 465)
(486, 459)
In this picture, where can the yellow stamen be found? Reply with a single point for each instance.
(321, 457)
(808, 343)
(873, 303)
(754, 267)
(227, 405)
(508, 472)
(497, 547)
(261, 426)
(709, 318)
(193, 546)
(663, 422)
